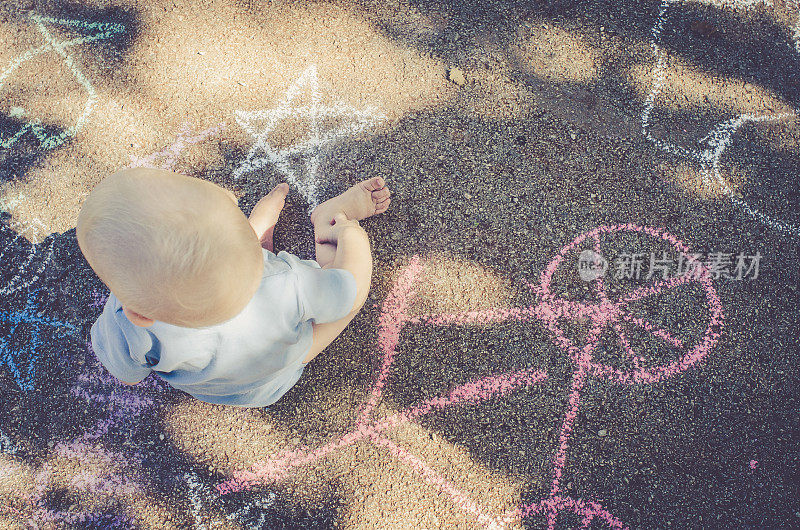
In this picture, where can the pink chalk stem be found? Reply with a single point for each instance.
(393, 315)
(578, 380)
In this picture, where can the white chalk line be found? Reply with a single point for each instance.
(196, 492)
(796, 27)
(262, 153)
(172, 153)
(719, 138)
(258, 507)
(199, 495)
(18, 280)
(34, 125)
(7, 204)
(7, 445)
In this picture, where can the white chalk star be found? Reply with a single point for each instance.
(259, 124)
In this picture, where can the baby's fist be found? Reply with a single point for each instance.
(339, 224)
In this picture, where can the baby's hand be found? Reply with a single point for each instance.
(339, 225)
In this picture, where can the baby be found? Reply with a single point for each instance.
(198, 296)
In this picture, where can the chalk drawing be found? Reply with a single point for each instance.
(254, 515)
(36, 513)
(169, 155)
(6, 205)
(603, 315)
(100, 31)
(22, 363)
(7, 445)
(30, 229)
(713, 145)
(796, 26)
(196, 493)
(23, 276)
(368, 428)
(261, 123)
(99, 299)
(735, 3)
(103, 483)
(86, 519)
(41, 514)
(119, 404)
(550, 310)
(251, 514)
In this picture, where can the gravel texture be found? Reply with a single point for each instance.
(505, 129)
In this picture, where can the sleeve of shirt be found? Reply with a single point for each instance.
(326, 295)
(113, 348)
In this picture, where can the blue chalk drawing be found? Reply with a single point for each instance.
(100, 31)
(22, 363)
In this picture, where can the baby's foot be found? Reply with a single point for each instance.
(265, 214)
(267, 210)
(365, 199)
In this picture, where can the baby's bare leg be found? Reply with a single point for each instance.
(265, 214)
(324, 334)
(325, 252)
(365, 199)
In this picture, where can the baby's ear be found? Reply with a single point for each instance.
(137, 319)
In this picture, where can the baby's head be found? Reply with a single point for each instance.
(171, 248)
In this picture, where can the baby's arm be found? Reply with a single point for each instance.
(352, 254)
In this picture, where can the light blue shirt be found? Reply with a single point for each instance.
(250, 360)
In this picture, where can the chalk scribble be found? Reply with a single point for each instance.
(22, 362)
(23, 275)
(6, 205)
(169, 155)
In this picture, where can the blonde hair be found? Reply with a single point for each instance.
(170, 247)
